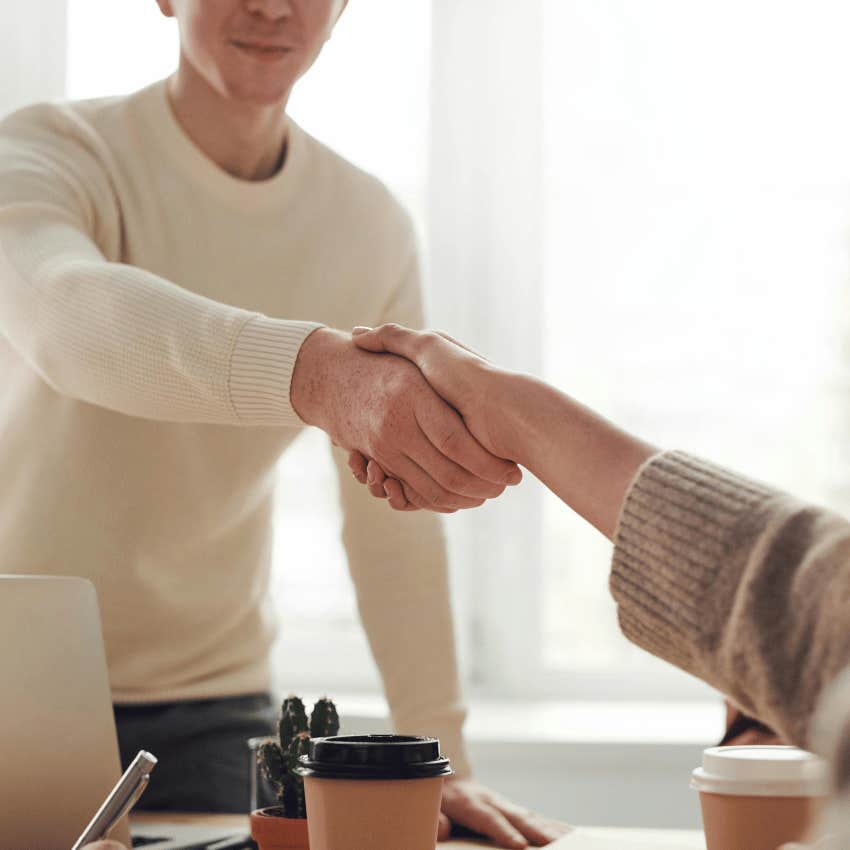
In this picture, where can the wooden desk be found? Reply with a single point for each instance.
(664, 838)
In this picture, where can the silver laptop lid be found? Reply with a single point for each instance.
(58, 747)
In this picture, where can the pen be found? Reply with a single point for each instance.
(120, 800)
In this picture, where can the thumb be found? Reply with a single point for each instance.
(390, 338)
(367, 338)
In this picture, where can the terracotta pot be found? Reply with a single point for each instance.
(272, 831)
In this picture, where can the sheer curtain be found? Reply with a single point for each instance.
(648, 204)
(32, 52)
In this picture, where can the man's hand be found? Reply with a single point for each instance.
(384, 408)
(469, 805)
(105, 845)
(464, 379)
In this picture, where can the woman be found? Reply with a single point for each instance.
(727, 578)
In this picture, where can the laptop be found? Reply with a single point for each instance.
(58, 746)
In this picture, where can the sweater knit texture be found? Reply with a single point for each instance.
(152, 307)
(745, 587)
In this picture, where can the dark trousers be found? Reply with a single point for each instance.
(204, 760)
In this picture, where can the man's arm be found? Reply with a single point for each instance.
(109, 333)
(120, 337)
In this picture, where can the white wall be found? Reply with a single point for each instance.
(32, 52)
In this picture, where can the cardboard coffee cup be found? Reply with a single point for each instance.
(373, 792)
(757, 798)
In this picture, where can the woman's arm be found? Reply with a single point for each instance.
(587, 461)
(735, 582)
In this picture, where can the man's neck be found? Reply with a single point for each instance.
(245, 140)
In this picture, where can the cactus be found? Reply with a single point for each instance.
(324, 721)
(293, 720)
(279, 760)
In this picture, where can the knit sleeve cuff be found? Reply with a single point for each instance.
(261, 367)
(684, 529)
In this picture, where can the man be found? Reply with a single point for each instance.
(171, 264)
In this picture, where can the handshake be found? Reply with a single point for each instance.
(421, 415)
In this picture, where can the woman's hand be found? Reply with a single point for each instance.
(105, 845)
(585, 460)
(464, 379)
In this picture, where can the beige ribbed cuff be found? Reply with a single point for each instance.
(680, 546)
(261, 369)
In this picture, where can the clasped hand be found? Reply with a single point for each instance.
(463, 379)
(382, 407)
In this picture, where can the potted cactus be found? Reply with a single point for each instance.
(285, 825)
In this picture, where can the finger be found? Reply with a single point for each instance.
(417, 503)
(390, 338)
(420, 488)
(397, 495)
(448, 433)
(459, 344)
(539, 831)
(490, 823)
(452, 477)
(357, 464)
(444, 828)
(375, 478)
(408, 469)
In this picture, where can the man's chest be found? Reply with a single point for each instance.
(292, 266)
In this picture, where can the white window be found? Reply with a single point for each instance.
(648, 203)
(697, 195)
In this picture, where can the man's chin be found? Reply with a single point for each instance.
(259, 95)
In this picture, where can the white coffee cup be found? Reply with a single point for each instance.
(757, 797)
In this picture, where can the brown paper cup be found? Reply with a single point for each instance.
(755, 823)
(374, 792)
(353, 814)
(758, 798)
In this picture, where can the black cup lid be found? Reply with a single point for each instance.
(374, 757)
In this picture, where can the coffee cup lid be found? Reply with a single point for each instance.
(761, 771)
(374, 757)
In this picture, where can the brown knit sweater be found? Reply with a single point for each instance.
(747, 588)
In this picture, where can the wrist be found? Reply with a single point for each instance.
(512, 397)
(314, 376)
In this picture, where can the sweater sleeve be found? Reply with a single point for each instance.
(399, 566)
(736, 583)
(109, 333)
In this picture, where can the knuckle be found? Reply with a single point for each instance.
(458, 481)
(390, 329)
(435, 497)
(449, 440)
(423, 341)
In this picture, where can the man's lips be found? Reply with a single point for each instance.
(262, 49)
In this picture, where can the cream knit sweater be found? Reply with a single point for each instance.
(151, 310)
(747, 588)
